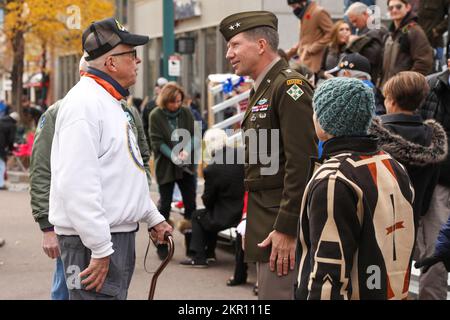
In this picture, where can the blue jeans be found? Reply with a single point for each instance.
(2, 172)
(59, 286)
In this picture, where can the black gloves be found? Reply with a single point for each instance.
(431, 261)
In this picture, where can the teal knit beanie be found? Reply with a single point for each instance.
(344, 106)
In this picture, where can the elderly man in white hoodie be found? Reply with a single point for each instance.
(99, 190)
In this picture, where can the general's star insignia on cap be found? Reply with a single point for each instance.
(243, 21)
(288, 70)
(295, 92)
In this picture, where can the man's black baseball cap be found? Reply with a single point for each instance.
(352, 61)
(103, 36)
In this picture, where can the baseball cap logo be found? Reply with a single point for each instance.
(120, 26)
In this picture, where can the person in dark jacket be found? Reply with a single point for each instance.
(8, 126)
(223, 197)
(355, 65)
(433, 284)
(149, 106)
(174, 159)
(418, 145)
(441, 251)
(433, 18)
(407, 47)
(356, 220)
(340, 35)
(369, 39)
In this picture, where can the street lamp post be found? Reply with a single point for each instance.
(168, 36)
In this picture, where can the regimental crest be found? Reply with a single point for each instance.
(295, 92)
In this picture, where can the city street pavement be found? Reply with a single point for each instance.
(26, 272)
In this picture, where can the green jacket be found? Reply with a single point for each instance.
(40, 173)
(282, 102)
(160, 133)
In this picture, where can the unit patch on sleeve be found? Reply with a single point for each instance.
(295, 92)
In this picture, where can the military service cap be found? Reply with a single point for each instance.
(243, 21)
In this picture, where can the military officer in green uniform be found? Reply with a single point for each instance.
(279, 116)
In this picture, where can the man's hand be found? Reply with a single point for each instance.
(96, 273)
(428, 262)
(283, 251)
(50, 244)
(158, 231)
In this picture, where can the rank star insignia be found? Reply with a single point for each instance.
(237, 25)
(295, 92)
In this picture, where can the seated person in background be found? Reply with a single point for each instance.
(223, 198)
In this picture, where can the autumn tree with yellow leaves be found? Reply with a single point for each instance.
(49, 25)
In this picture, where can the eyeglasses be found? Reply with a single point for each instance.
(398, 6)
(134, 52)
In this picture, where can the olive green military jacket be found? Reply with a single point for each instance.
(40, 173)
(283, 101)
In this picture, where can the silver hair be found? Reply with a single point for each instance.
(83, 63)
(356, 74)
(357, 8)
(215, 139)
(268, 33)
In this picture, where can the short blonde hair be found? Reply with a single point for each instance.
(408, 89)
(169, 93)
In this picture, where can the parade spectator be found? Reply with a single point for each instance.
(340, 35)
(433, 18)
(223, 197)
(315, 33)
(8, 126)
(196, 113)
(279, 98)
(441, 251)
(407, 47)
(94, 157)
(354, 65)
(149, 106)
(368, 42)
(433, 284)
(348, 3)
(357, 208)
(40, 175)
(4, 110)
(417, 144)
(174, 164)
